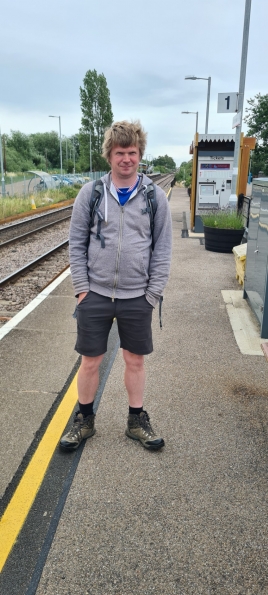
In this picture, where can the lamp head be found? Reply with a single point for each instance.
(192, 78)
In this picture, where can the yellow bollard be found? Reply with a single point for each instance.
(33, 203)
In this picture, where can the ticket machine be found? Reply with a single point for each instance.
(214, 181)
(213, 156)
(212, 174)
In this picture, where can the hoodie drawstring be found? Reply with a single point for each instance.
(105, 203)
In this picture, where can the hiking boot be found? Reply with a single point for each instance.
(82, 428)
(139, 428)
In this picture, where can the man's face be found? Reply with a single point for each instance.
(124, 161)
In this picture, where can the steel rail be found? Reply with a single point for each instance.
(56, 276)
(165, 181)
(20, 272)
(29, 233)
(35, 217)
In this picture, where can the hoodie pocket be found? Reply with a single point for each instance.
(132, 271)
(101, 264)
(93, 252)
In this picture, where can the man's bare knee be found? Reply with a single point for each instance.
(90, 365)
(133, 360)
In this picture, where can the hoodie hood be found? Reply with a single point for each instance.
(144, 181)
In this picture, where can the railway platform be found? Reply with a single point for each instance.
(113, 518)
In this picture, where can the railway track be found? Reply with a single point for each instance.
(23, 284)
(23, 229)
(165, 181)
(31, 265)
(37, 258)
(19, 288)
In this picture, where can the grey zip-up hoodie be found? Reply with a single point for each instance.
(126, 267)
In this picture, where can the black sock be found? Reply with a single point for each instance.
(86, 409)
(135, 410)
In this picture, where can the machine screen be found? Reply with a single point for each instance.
(206, 190)
(215, 166)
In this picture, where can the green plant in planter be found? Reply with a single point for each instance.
(223, 230)
(224, 219)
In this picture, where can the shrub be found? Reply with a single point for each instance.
(70, 191)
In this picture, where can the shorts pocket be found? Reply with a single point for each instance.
(84, 298)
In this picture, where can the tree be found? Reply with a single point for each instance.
(47, 144)
(165, 161)
(19, 152)
(69, 166)
(20, 142)
(97, 115)
(184, 174)
(14, 162)
(257, 122)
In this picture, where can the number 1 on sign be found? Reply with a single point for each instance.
(227, 99)
(227, 102)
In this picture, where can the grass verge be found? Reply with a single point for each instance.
(11, 206)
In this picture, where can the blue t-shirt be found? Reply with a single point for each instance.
(124, 194)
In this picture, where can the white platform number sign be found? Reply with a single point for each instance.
(227, 103)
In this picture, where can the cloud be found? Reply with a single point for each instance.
(144, 50)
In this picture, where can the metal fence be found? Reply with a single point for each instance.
(18, 185)
(24, 185)
(93, 175)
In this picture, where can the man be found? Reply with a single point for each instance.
(118, 275)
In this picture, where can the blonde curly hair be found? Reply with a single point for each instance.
(125, 134)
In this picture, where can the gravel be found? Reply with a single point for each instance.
(18, 255)
(16, 296)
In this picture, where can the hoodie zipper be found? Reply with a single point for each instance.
(118, 250)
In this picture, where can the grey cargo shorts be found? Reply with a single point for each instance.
(95, 315)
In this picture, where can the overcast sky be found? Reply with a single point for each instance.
(144, 49)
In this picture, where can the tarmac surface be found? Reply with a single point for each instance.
(189, 520)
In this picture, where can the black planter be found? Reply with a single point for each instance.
(222, 240)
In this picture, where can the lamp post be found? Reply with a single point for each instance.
(90, 152)
(60, 144)
(242, 80)
(66, 141)
(74, 153)
(2, 168)
(148, 161)
(196, 113)
(201, 78)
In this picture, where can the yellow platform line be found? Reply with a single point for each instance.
(24, 496)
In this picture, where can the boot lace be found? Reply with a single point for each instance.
(74, 431)
(145, 424)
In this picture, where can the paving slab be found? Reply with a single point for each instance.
(191, 519)
(65, 289)
(19, 431)
(37, 357)
(41, 360)
(54, 314)
(244, 323)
